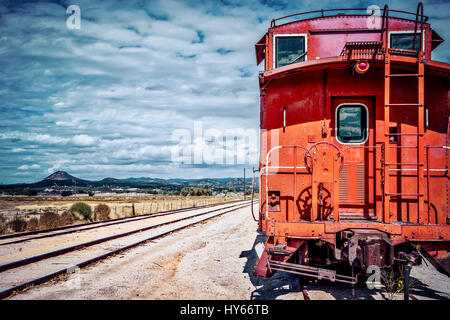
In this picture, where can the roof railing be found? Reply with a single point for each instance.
(323, 11)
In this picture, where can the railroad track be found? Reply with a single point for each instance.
(31, 235)
(31, 270)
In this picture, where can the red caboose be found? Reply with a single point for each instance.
(354, 144)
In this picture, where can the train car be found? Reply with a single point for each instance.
(354, 151)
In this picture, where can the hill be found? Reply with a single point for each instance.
(61, 180)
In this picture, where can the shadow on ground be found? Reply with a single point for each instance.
(422, 290)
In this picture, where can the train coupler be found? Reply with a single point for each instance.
(313, 272)
(279, 249)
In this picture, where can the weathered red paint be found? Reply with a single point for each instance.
(298, 105)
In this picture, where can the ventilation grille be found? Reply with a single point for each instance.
(343, 183)
(360, 182)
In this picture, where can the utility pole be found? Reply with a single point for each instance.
(244, 183)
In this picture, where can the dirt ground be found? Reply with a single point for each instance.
(213, 260)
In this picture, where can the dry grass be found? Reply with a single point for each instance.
(49, 220)
(394, 282)
(142, 202)
(101, 212)
(66, 218)
(120, 206)
(33, 224)
(17, 224)
(3, 225)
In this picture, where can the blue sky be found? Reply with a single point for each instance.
(103, 101)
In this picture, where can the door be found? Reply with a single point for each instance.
(353, 128)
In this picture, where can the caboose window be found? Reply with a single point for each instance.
(403, 40)
(351, 123)
(289, 49)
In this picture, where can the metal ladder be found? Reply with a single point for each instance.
(387, 162)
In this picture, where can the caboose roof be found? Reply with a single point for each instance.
(341, 23)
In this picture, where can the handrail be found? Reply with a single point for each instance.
(385, 16)
(253, 193)
(419, 6)
(322, 11)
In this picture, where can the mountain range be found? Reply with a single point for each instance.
(61, 179)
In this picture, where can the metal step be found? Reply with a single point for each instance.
(403, 104)
(403, 134)
(405, 75)
(404, 164)
(357, 217)
(404, 194)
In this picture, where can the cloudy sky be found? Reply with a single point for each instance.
(105, 100)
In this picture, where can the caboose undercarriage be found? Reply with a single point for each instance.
(352, 249)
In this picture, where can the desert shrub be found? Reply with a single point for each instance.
(18, 224)
(81, 210)
(3, 225)
(33, 224)
(101, 212)
(393, 280)
(31, 192)
(66, 218)
(195, 191)
(49, 220)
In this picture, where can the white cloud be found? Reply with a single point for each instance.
(105, 99)
(83, 140)
(29, 167)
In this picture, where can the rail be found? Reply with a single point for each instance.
(323, 11)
